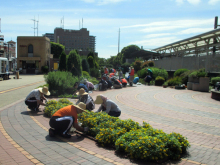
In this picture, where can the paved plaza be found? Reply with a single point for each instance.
(24, 135)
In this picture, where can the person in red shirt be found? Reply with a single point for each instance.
(131, 78)
(64, 118)
(111, 75)
(106, 71)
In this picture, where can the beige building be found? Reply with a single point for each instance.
(32, 53)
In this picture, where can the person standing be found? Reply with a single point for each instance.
(35, 98)
(108, 106)
(131, 78)
(66, 117)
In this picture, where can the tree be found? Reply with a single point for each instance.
(56, 49)
(74, 63)
(85, 65)
(62, 64)
(128, 50)
(91, 62)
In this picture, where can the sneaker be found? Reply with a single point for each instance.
(36, 109)
(51, 132)
(66, 135)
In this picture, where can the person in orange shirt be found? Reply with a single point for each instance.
(124, 82)
(64, 118)
(106, 71)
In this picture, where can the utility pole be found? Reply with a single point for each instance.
(215, 27)
(118, 40)
(34, 25)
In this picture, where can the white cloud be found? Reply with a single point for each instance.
(194, 2)
(157, 35)
(194, 30)
(213, 2)
(179, 2)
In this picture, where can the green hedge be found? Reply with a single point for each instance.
(60, 82)
(214, 80)
(179, 72)
(174, 81)
(140, 142)
(156, 72)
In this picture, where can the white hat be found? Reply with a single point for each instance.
(44, 90)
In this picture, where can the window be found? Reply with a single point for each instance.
(30, 49)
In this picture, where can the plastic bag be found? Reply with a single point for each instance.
(126, 75)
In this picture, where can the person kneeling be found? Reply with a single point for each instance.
(64, 118)
(86, 99)
(108, 106)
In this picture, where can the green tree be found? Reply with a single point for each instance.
(62, 64)
(74, 63)
(127, 51)
(91, 62)
(85, 65)
(56, 49)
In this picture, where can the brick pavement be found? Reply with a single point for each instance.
(192, 114)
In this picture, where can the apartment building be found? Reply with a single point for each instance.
(50, 36)
(75, 39)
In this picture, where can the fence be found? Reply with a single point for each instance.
(211, 63)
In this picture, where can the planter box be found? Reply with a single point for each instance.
(159, 83)
(202, 86)
(189, 85)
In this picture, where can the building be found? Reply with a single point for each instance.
(32, 53)
(75, 39)
(50, 36)
(2, 46)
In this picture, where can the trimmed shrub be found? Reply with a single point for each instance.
(137, 65)
(59, 82)
(94, 72)
(185, 76)
(74, 63)
(85, 74)
(85, 65)
(159, 81)
(198, 73)
(156, 72)
(214, 80)
(174, 81)
(179, 72)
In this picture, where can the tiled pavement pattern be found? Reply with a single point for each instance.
(193, 114)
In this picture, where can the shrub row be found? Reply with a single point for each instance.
(141, 142)
(156, 72)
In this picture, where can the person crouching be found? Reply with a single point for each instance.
(64, 118)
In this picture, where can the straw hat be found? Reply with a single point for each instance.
(82, 92)
(85, 81)
(98, 100)
(132, 67)
(44, 90)
(81, 106)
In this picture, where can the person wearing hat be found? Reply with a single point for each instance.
(66, 117)
(107, 106)
(89, 85)
(86, 99)
(35, 98)
(78, 86)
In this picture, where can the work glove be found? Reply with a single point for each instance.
(86, 129)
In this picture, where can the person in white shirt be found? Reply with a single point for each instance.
(86, 99)
(35, 98)
(108, 106)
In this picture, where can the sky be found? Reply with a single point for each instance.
(147, 23)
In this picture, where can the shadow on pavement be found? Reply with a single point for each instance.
(57, 138)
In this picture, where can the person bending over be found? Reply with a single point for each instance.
(108, 106)
(35, 98)
(66, 117)
(86, 99)
(89, 85)
(78, 86)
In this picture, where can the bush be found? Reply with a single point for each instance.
(52, 106)
(198, 73)
(94, 72)
(93, 80)
(140, 142)
(137, 65)
(125, 67)
(151, 63)
(59, 82)
(214, 80)
(174, 81)
(159, 81)
(184, 76)
(179, 72)
(156, 72)
(85, 74)
(44, 69)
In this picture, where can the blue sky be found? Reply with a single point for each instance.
(147, 23)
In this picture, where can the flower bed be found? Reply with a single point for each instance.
(139, 142)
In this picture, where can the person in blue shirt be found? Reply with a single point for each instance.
(78, 86)
(150, 72)
(136, 80)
